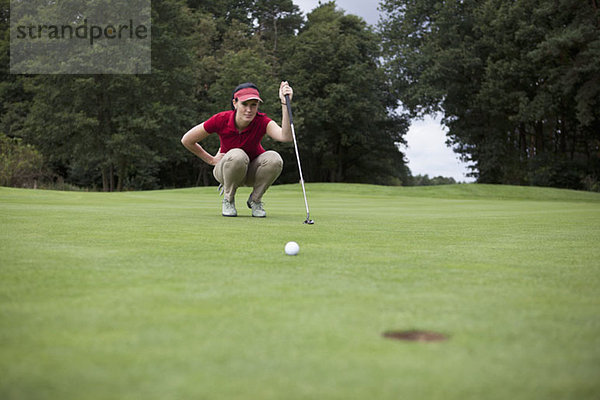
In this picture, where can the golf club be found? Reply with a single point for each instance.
(289, 108)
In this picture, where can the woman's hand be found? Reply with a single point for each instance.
(282, 133)
(217, 158)
(285, 88)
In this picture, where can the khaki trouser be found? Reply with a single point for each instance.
(235, 170)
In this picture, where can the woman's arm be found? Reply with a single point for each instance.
(190, 141)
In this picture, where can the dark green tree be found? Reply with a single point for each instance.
(348, 131)
(276, 19)
(121, 131)
(224, 12)
(518, 82)
(14, 100)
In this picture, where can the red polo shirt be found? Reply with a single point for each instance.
(249, 140)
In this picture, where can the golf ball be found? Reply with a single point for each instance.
(291, 248)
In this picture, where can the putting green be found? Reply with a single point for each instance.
(154, 295)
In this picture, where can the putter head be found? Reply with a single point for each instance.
(309, 221)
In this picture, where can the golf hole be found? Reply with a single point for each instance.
(415, 336)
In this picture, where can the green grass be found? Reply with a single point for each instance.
(154, 295)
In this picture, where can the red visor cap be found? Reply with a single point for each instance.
(247, 94)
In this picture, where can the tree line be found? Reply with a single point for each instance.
(122, 132)
(518, 83)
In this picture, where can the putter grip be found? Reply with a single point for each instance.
(288, 103)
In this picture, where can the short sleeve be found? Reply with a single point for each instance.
(213, 124)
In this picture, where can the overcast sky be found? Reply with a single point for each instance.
(427, 152)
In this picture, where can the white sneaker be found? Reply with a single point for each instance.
(229, 209)
(257, 208)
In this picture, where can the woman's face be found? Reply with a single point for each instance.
(246, 111)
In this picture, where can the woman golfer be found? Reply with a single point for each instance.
(241, 159)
